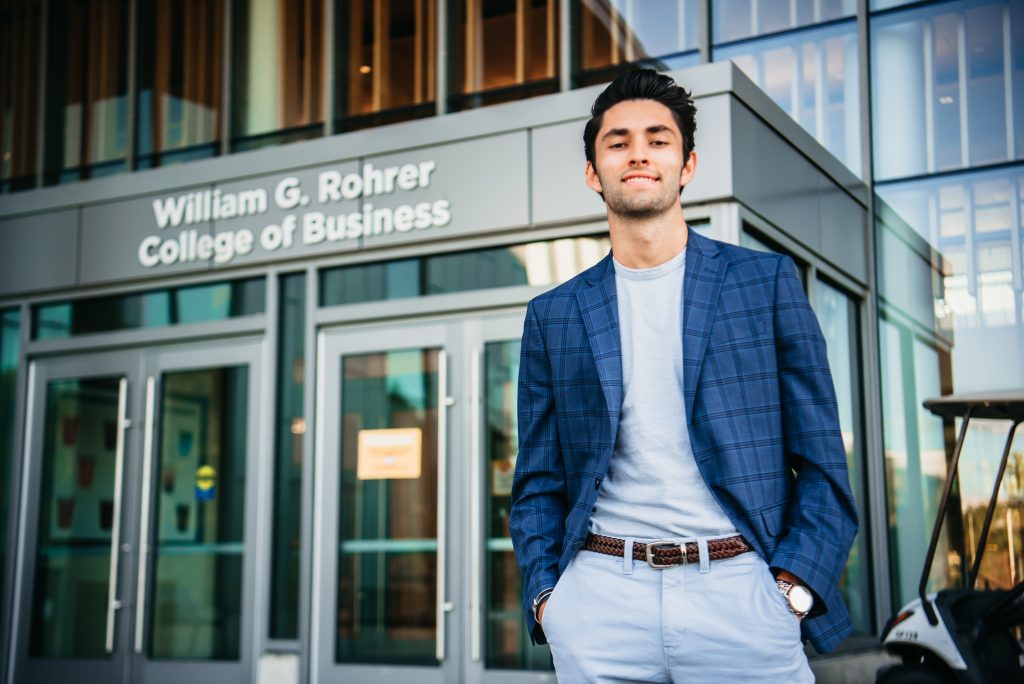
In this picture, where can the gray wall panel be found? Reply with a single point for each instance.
(713, 144)
(38, 252)
(483, 180)
(773, 179)
(113, 235)
(557, 180)
(843, 221)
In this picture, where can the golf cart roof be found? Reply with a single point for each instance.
(999, 405)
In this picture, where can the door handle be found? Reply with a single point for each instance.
(443, 402)
(113, 602)
(147, 470)
(475, 512)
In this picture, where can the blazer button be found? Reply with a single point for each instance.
(597, 483)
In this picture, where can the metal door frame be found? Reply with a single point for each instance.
(332, 345)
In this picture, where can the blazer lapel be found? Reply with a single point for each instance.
(600, 309)
(702, 282)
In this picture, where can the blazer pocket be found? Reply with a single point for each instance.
(772, 519)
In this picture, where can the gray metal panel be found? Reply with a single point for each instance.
(113, 234)
(557, 164)
(843, 222)
(774, 179)
(484, 181)
(38, 252)
(713, 143)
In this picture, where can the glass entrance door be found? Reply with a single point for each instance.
(137, 562)
(414, 574)
(384, 609)
(74, 567)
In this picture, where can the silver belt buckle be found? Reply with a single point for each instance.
(650, 548)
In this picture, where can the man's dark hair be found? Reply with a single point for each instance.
(643, 84)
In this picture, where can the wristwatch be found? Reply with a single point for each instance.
(539, 600)
(800, 598)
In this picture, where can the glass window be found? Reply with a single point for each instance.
(199, 515)
(947, 87)
(10, 341)
(87, 89)
(508, 643)
(20, 29)
(915, 461)
(838, 316)
(536, 263)
(973, 222)
(180, 71)
(739, 19)
(387, 545)
(290, 436)
(615, 36)
(173, 306)
(504, 50)
(812, 75)
(277, 71)
(387, 57)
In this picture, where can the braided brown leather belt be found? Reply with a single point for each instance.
(665, 554)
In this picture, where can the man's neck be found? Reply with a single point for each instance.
(648, 242)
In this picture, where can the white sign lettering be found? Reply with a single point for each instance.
(314, 227)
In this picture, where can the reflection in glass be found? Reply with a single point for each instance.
(508, 644)
(388, 52)
(615, 35)
(535, 263)
(20, 23)
(915, 461)
(87, 89)
(837, 314)
(738, 19)
(387, 546)
(277, 82)
(76, 507)
(173, 306)
(973, 221)
(947, 87)
(290, 434)
(199, 519)
(812, 75)
(180, 72)
(502, 44)
(10, 341)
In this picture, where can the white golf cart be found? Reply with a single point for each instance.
(967, 634)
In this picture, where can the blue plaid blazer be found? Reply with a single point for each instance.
(761, 412)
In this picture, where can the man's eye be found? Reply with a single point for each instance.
(617, 146)
(659, 143)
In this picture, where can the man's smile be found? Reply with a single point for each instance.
(639, 178)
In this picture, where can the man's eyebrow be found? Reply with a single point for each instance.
(657, 128)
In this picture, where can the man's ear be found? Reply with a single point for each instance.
(689, 169)
(593, 181)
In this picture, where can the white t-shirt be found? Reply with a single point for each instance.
(653, 489)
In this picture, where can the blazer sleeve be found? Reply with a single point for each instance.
(537, 516)
(822, 519)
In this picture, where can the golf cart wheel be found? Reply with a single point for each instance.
(912, 673)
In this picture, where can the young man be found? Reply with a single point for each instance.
(681, 509)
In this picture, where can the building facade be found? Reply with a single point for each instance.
(263, 266)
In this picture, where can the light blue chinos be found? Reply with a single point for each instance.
(613, 619)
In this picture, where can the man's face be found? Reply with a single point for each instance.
(638, 160)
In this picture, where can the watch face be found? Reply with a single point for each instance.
(801, 599)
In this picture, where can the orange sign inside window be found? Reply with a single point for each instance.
(394, 454)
